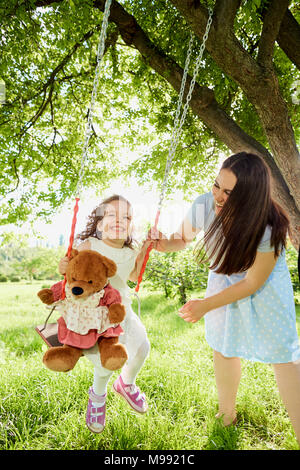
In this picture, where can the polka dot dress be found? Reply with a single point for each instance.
(261, 327)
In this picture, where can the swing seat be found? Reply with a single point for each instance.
(49, 334)
(49, 331)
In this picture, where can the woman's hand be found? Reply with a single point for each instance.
(63, 264)
(193, 310)
(157, 238)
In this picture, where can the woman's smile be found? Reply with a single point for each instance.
(222, 188)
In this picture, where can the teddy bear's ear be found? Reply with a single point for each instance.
(111, 267)
(73, 253)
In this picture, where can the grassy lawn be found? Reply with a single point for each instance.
(41, 409)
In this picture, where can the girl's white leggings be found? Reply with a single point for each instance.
(129, 371)
(137, 344)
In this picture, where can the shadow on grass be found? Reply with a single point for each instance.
(223, 438)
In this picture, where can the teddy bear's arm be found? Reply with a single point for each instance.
(116, 313)
(49, 296)
(46, 296)
(112, 299)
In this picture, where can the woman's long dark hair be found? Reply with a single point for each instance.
(234, 235)
(97, 215)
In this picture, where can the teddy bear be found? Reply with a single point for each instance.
(91, 313)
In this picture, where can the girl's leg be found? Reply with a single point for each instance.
(228, 375)
(288, 382)
(134, 364)
(101, 379)
(101, 375)
(125, 383)
(137, 344)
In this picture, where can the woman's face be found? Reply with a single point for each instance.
(224, 184)
(117, 221)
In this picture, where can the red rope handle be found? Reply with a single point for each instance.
(150, 247)
(70, 244)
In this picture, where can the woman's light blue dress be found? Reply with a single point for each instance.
(261, 327)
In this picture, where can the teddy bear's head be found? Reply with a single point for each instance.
(88, 272)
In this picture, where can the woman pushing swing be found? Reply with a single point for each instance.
(249, 306)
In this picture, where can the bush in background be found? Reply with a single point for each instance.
(175, 273)
(29, 263)
(292, 262)
(3, 278)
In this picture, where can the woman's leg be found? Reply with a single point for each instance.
(288, 381)
(228, 375)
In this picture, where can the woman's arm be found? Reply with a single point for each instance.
(256, 276)
(177, 241)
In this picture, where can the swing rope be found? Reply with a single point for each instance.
(177, 128)
(174, 139)
(100, 54)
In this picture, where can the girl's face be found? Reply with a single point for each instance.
(224, 184)
(117, 221)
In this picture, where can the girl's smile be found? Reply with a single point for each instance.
(116, 225)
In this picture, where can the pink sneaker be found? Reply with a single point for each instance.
(95, 415)
(131, 393)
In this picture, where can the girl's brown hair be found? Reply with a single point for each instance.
(234, 235)
(97, 215)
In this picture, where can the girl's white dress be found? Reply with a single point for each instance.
(261, 327)
(134, 331)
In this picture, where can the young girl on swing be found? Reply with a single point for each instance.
(249, 306)
(109, 231)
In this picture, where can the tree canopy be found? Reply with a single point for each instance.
(247, 95)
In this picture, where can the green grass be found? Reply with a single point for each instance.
(41, 409)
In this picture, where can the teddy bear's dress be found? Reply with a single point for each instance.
(84, 321)
(261, 327)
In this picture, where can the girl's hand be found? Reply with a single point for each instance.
(193, 310)
(157, 238)
(63, 264)
(139, 261)
(145, 245)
